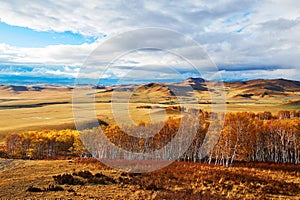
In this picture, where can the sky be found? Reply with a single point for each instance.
(244, 39)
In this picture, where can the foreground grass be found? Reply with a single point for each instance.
(178, 181)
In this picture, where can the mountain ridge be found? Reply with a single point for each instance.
(245, 89)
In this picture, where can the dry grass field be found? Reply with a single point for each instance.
(44, 107)
(22, 179)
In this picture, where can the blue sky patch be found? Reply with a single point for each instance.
(26, 37)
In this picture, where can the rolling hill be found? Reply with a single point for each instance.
(264, 88)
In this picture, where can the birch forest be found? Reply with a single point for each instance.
(245, 136)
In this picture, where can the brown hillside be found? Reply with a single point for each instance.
(262, 88)
(154, 89)
(196, 83)
(277, 85)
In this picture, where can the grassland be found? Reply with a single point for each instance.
(178, 181)
(39, 108)
(36, 108)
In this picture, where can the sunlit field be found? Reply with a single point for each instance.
(83, 179)
(256, 156)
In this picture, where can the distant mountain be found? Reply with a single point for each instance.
(19, 89)
(257, 88)
(196, 83)
(279, 85)
(262, 87)
(195, 80)
(240, 89)
(154, 89)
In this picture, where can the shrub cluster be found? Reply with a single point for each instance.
(82, 178)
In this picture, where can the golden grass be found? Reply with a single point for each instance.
(58, 116)
(177, 181)
(180, 180)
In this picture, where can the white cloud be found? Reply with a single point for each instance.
(73, 55)
(238, 35)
